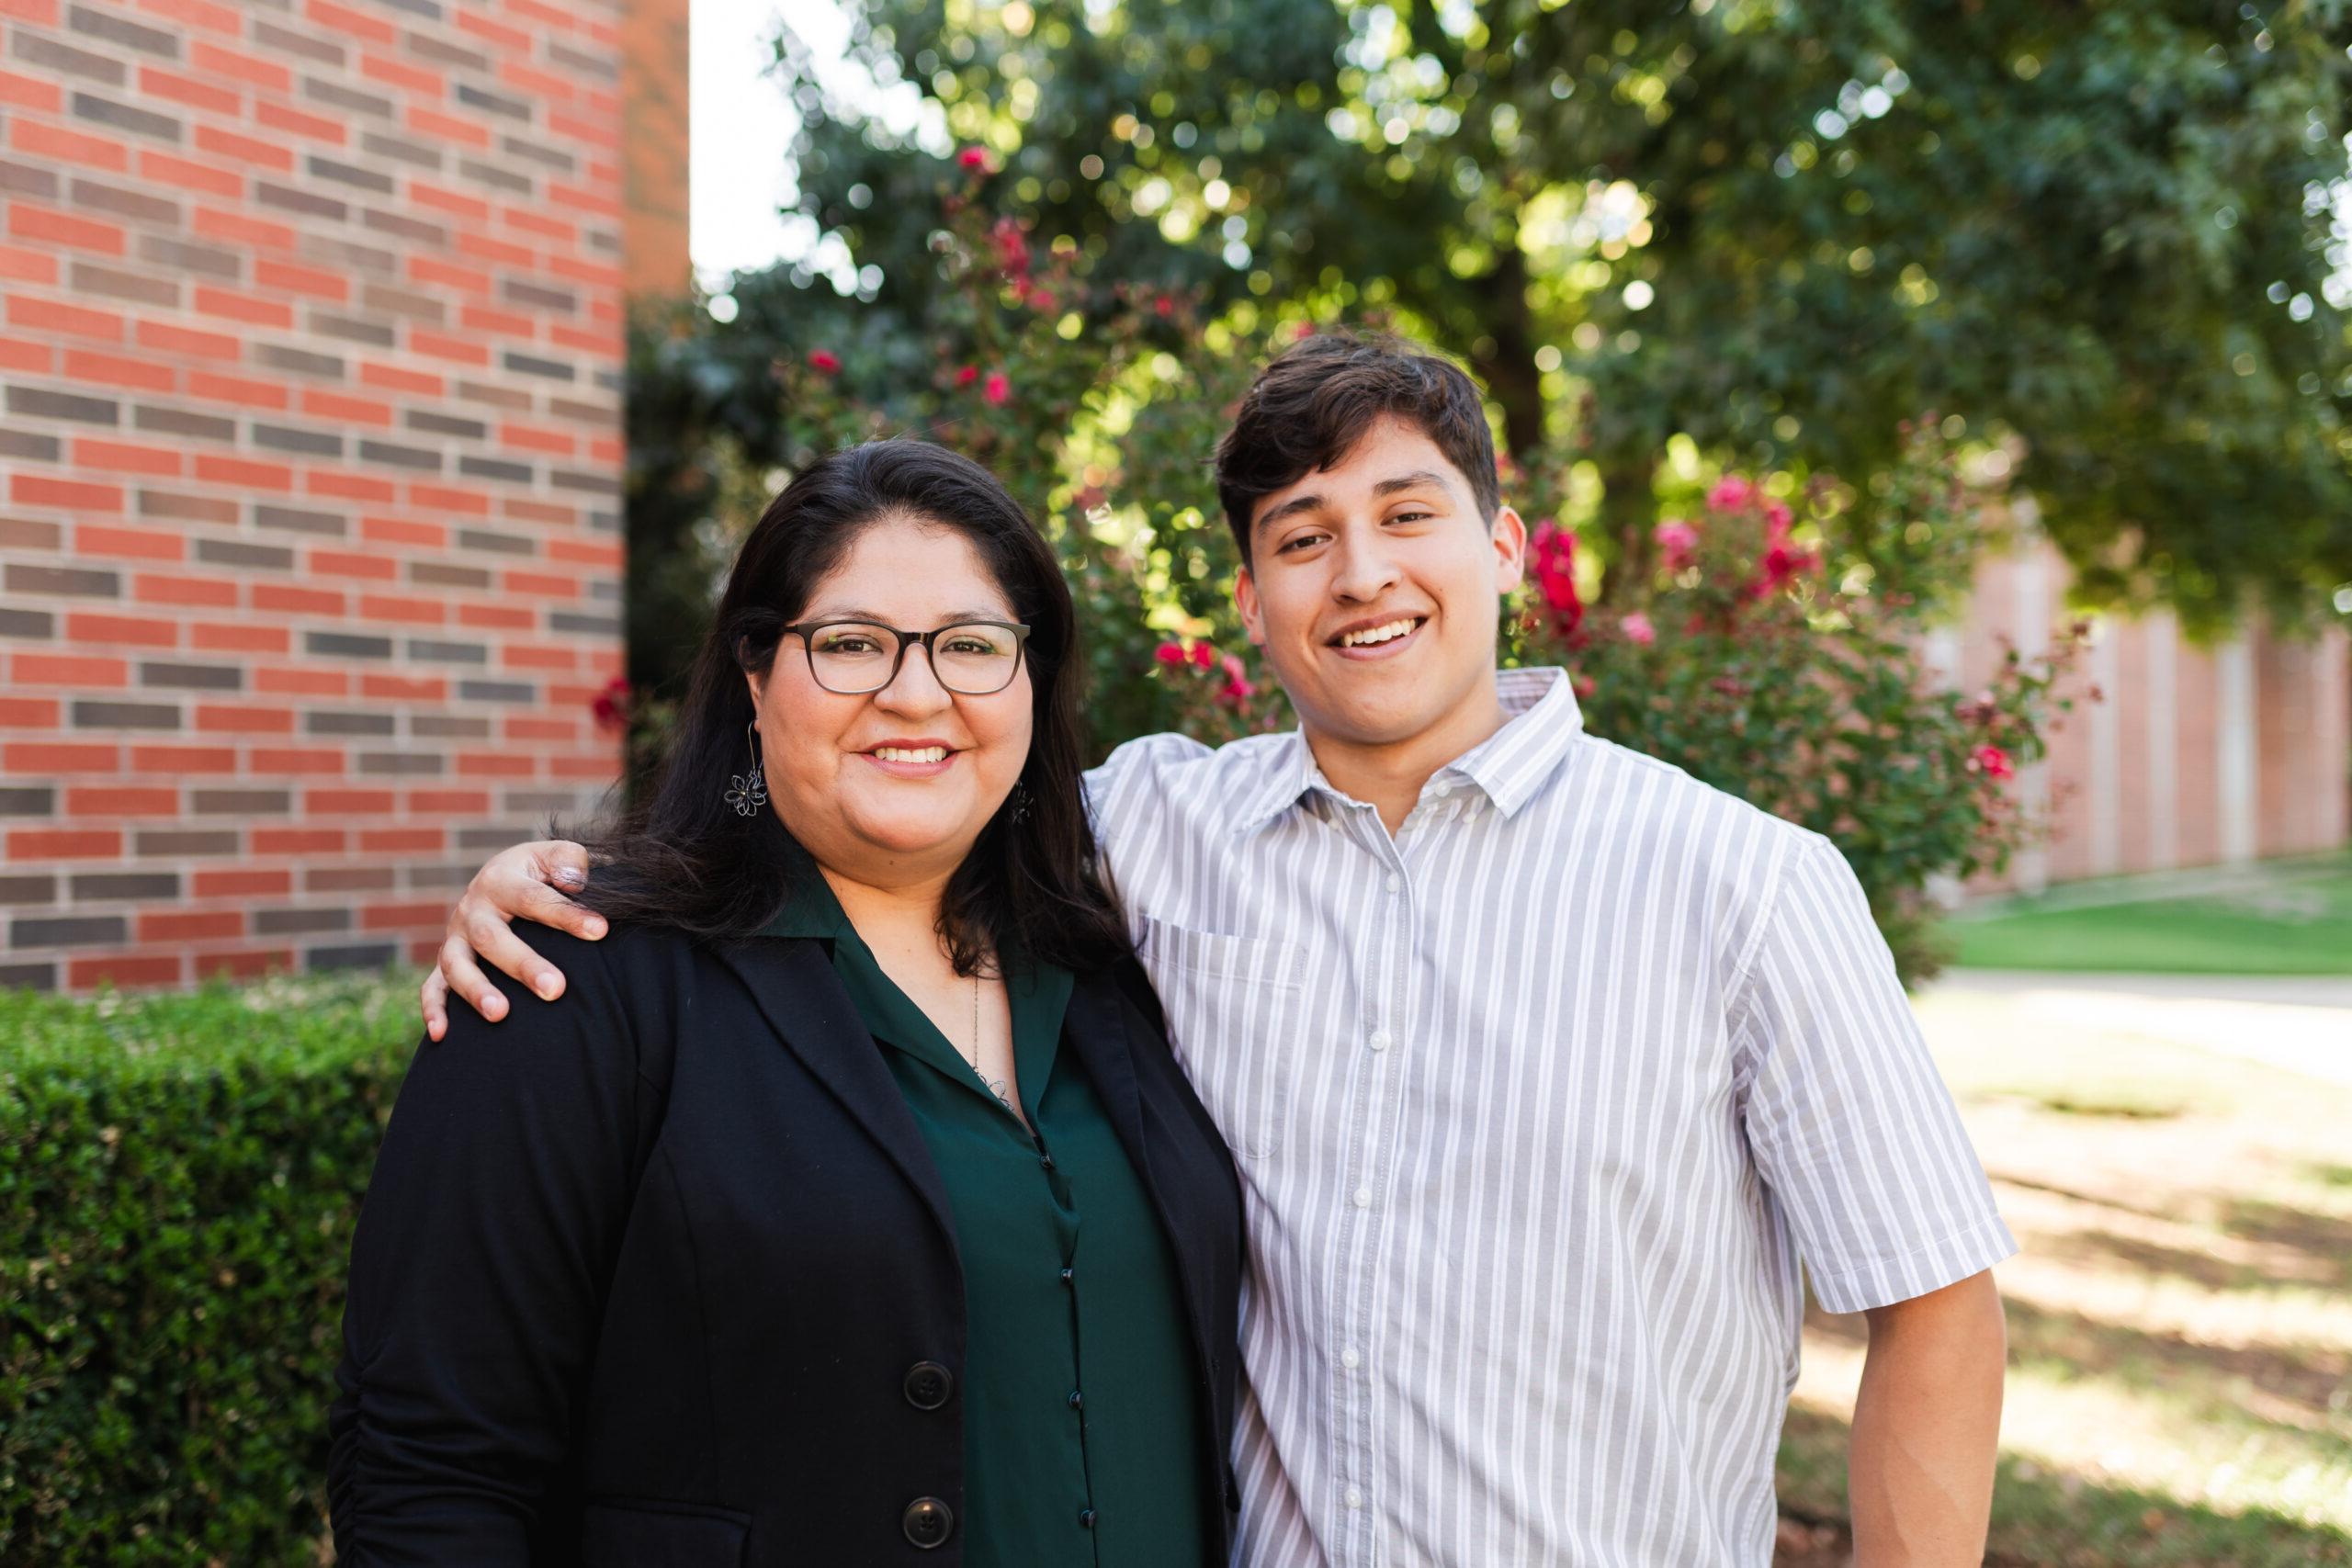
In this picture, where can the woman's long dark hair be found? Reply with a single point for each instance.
(684, 859)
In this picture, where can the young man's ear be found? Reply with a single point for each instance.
(1508, 535)
(1253, 614)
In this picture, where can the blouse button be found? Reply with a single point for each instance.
(927, 1523)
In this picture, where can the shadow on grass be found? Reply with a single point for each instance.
(2325, 1240)
(2043, 1518)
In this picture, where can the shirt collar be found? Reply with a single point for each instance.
(809, 909)
(1542, 721)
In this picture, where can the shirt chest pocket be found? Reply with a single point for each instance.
(1235, 1009)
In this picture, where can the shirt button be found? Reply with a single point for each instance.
(1396, 884)
(1355, 1497)
(1069, 1276)
(1379, 1041)
(1046, 1161)
(1350, 1360)
(1364, 1197)
(1086, 1519)
(1077, 1400)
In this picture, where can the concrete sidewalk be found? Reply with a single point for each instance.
(2303, 1025)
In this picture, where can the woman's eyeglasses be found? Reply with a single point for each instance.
(972, 659)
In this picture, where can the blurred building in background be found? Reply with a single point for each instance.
(310, 463)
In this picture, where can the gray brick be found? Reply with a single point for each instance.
(326, 722)
(20, 888)
(429, 9)
(296, 922)
(294, 519)
(184, 421)
(336, 250)
(32, 402)
(27, 444)
(282, 438)
(236, 552)
(94, 884)
(84, 581)
(552, 157)
(496, 836)
(449, 726)
(240, 802)
(433, 574)
(24, 534)
(349, 175)
(411, 302)
(579, 60)
(407, 227)
(576, 621)
(192, 677)
(68, 931)
(495, 469)
(496, 103)
(209, 260)
(269, 193)
(340, 97)
(28, 800)
(284, 356)
(26, 622)
(603, 416)
(115, 284)
(444, 425)
(401, 764)
(100, 197)
(539, 800)
(492, 175)
(501, 544)
(414, 875)
(309, 48)
(35, 49)
(89, 714)
(604, 522)
(606, 590)
(612, 381)
(130, 34)
(591, 484)
(496, 397)
(346, 644)
(416, 457)
(427, 47)
(200, 508)
(532, 364)
(329, 324)
(175, 843)
(401, 150)
(362, 955)
(348, 879)
(123, 117)
(520, 293)
(432, 651)
(497, 692)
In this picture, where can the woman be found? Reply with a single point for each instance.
(848, 1207)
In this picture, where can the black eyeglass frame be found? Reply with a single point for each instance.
(804, 630)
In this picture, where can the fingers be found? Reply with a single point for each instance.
(434, 996)
(462, 978)
(537, 901)
(495, 942)
(564, 864)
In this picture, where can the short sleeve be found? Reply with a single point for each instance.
(1851, 1126)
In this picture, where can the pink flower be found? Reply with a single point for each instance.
(967, 376)
(1302, 331)
(1169, 653)
(1993, 762)
(1163, 306)
(1731, 493)
(1637, 629)
(1551, 561)
(1777, 517)
(1042, 301)
(1011, 245)
(824, 359)
(1237, 688)
(1676, 543)
(1203, 655)
(611, 706)
(997, 389)
(979, 158)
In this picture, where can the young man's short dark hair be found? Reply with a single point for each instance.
(1309, 407)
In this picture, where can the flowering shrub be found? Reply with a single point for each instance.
(1764, 636)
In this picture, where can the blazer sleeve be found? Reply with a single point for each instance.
(479, 1271)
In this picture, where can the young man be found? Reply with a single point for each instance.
(1542, 1063)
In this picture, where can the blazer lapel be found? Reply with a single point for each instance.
(806, 1004)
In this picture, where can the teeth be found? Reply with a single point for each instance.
(902, 754)
(1388, 633)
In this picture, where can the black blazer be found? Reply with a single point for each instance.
(661, 1274)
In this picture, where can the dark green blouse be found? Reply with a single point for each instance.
(1084, 1419)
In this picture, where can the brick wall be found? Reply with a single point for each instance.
(308, 468)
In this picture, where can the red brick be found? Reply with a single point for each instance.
(65, 843)
(404, 688)
(482, 26)
(17, 354)
(18, 264)
(118, 800)
(443, 345)
(214, 224)
(391, 377)
(251, 964)
(131, 631)
(497, 617)
(126, 457)
(41, 13)
(34, 490)
(70, 146)
(241, 390)
(189, 925)
(129, 544)
(65, 229)
(185, 173)
(540, 585)
(403, 840)
(438, 274)
(158, 759)
(154, 588)
(118, 370)
(68, 670)
(506, 323)
(536, 438)
(448, 498)
(432, 912)
(243, 471)
(298, 760)
(123, 969)
(278, 117)
(584, 552)
(348, 487)
(580, 271)
(295, 279)
(198, 13)
(599, 340)
(30, 93)
(298, 841)
(582, 767)
(245, 149)
(550, 16)
(402, 611)
(342, 18)
(28, 713)
(495, 764)
(498, 250)
(608, 449)
(524, 728)
(530, 222)
(306, 682)
(297, 601)
(434, 196)
(235, 638)
(187, 90)
(347, 802)
(241, 882)
(535, 83)
(393, 73)
(26, 757)
(161, 337)
(355, 563)
(432, 122)
(76, 321)
(344, 407)
(242, 718)
(237, 306)
(402, 531)
(449, 802)
(214, 61)
(598, 129)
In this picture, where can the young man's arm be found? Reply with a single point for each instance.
(519, 883)
(1919, 1473)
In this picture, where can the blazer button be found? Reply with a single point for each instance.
(928, 1385)
(927, 1522)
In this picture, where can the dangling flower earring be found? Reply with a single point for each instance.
(749, 792)
(1021, 801)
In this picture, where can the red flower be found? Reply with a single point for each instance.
(998, 389)
(979, 158)
(1237, 688)
(1042, 301)
(1731, 493)
(611, 706)
(967, 376)
(1169, 653)
(1163, 306)
(1011, 243)
(824, 359)
(1203, 655)
(1992, 763)
(1551, 561)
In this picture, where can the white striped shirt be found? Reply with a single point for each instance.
(1536, 1106)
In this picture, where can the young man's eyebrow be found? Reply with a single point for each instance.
(1290, 508)
(1419, 478)
(1413, 480)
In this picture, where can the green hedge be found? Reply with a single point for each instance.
(178, 1180)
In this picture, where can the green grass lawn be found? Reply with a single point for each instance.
(2298, 922)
